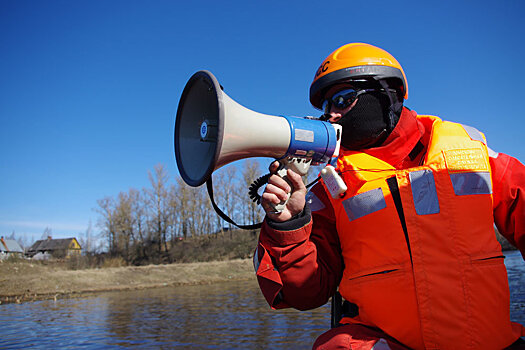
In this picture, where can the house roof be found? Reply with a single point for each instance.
(52, 244)
(10, 245)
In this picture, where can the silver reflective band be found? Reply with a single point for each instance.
(492, 153)
(381, 345)
(364, 203)
(424, 192)
(314, 202)
(471, 183)
(256, 261)
(473, 133)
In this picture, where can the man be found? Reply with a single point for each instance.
(410, 245)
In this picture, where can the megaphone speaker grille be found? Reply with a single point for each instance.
(198, 128)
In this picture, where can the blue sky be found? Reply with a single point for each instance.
(89, 89)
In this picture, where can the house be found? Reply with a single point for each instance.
(10, 247)
(58, 248)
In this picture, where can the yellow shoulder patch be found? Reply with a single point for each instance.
(461, 160)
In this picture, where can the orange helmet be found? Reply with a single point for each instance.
(356, 62)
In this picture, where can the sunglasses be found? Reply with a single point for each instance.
(342, 99)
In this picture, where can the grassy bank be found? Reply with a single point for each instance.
(200, 260)
(23, 280)
(197, 260)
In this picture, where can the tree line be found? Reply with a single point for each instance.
(143, 226)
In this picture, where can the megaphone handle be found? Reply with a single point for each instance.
(298, 165)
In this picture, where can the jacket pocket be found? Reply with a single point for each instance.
(492, 258)
(381, 272)
(487, 300)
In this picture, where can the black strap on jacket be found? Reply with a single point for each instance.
(341, 308)
(336, 310)
(394, 190)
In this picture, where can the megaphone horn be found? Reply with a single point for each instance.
(212, 130)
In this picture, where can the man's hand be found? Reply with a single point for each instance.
(277, 191)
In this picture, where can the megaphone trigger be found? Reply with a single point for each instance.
(296, 164)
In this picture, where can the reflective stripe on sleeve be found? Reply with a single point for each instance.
(256, 260)
(314, 202)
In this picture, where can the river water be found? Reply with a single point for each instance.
(229, 315)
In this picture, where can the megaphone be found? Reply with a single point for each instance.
(212, 130)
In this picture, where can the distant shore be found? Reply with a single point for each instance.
(25, 281)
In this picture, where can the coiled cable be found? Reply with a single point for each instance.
(261, 181)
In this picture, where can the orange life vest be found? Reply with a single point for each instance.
(429, 271)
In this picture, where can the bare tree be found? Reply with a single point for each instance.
(139, 214)
(227, 192)
(204, 212)
(106, 207)
(124, 225)
(158, 206)
(86, 240)
(184, 201)
(47, 233)
(143, 225)
(21, 239)
(251, 210)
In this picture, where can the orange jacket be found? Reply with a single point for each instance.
(299, 263)
(435, 279)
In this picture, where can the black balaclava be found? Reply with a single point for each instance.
(370, 121)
